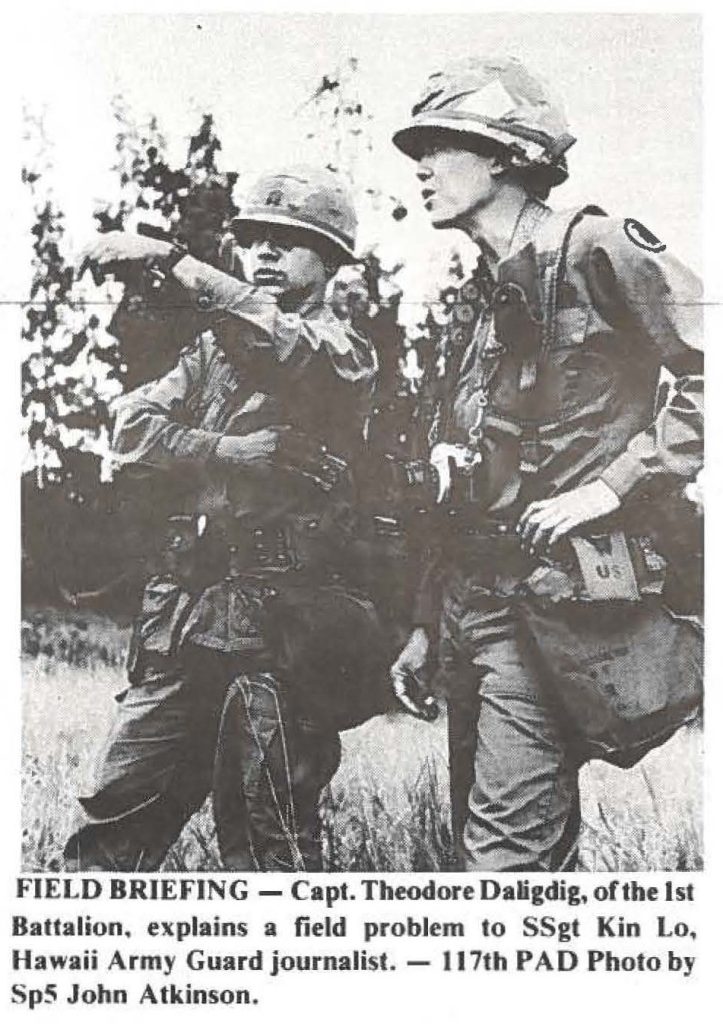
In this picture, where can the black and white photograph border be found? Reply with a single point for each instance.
(321, 86)
(636, 177)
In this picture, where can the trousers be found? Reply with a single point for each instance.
(513, 778)
(195, 722)
(271, 766)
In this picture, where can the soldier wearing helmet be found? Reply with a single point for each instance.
(552, 454)
(250, 617)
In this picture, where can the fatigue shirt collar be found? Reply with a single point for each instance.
(289, 332)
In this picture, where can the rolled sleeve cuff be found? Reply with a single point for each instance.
(623, 474)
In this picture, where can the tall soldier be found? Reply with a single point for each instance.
(554, 461)
(255, 433)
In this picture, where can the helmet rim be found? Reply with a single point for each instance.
(411, 140)
(262, 215)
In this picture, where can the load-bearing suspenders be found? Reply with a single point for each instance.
(551, 242)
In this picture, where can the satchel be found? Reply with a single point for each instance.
(623, 675)
(331, 650)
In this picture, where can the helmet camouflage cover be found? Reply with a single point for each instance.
(311, 198)
(496, 99)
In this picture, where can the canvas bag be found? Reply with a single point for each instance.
(624, 676)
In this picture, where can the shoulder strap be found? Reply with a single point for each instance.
(551, 244)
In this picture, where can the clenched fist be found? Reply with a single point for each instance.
(407, 677)
(115, 247)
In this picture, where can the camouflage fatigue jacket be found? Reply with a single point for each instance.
(255, 367)
(595, 409)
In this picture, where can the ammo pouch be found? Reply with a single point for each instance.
(624, 675)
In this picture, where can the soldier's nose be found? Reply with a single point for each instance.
(267, 250)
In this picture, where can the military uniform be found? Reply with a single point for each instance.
(255, 590)
(554, 385)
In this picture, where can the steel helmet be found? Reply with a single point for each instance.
(311, 198)
(495, 99)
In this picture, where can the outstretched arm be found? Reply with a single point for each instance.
(214, 293)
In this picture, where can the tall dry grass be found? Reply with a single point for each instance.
(387, 808)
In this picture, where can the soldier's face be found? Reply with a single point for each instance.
(455, 183)
(280, 261)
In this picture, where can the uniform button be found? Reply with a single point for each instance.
(233, 549)
(204, 301)
(258, 533)
(452, 512)
(502, 528)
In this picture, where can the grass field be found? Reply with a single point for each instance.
(387, 808)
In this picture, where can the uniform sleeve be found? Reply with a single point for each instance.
(654, 295)
(212, 291)
(149, 427)
(216, 292)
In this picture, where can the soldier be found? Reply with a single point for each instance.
(549, 446)
(258, 426)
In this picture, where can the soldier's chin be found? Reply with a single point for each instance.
(441, 220)
(275, 289)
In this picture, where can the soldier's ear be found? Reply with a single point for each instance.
(331, 267)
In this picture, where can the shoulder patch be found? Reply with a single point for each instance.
(642, 237)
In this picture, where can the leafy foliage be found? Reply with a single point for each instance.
(66, 354)
(191, 205)
(82, 345)
(412, 357)
(73, 363)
